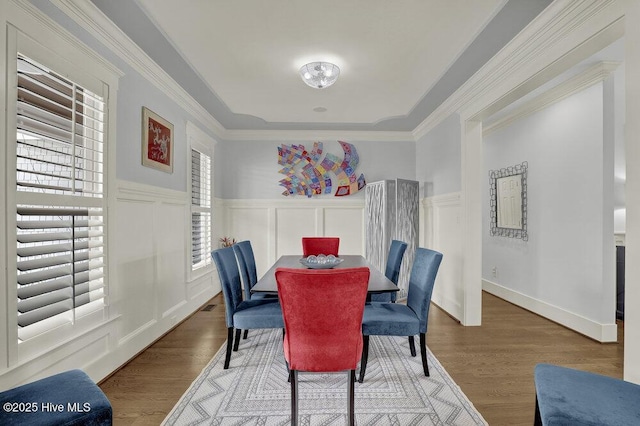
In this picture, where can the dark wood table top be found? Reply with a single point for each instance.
(378, 282)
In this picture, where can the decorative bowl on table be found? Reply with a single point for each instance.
(321, 261)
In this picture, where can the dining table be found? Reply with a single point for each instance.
(378, 282)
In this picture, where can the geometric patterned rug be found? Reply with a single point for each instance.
(254, 390)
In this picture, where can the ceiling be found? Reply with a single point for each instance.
(398, 60)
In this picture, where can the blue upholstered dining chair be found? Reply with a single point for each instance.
(396, 319)
(242, 314)
(248, 271)
(323, 324)
(392, 270)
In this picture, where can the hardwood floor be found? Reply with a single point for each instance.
(493, 364)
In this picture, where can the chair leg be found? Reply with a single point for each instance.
(423, 352)
(365, 355)
(352, 392)
(236, 341)
(412, 346)
(246, 333)
(229, 340)
(537, 421)
(294, 397)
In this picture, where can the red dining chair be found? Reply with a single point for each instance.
(322, 311)
(320, 245)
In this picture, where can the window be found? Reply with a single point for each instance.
(59, 200)
(201, 245)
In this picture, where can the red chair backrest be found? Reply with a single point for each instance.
(320, 245)
(322, 311)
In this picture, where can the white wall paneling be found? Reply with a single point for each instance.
(276, 227)
(149, 286)
(442, 232)
(346, 222)
(253, 223)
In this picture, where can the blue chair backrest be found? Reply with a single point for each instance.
(229, 274)
(247, 263)
(392, 271)
(421, 281)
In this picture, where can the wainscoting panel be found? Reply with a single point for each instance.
(276, 227)
(149, 285)
(293, 223)
(442, 233)
(348, 223)
(169, 236)
(252, 223)
(135, 264)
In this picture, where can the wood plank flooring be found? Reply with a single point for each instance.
(493, 364)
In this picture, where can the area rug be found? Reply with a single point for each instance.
(254, 390)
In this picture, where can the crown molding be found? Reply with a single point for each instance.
(593, 75)
(563, 23)
(89, 17)
(46, 22)
(305, 135)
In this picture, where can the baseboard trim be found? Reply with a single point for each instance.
(603, 333)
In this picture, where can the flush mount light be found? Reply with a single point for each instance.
(319, 75)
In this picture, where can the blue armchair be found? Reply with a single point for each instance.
(565, 396)
(69, 398)
(396, 319)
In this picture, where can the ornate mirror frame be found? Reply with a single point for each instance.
(517, 207)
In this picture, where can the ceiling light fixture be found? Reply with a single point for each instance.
(319, 75)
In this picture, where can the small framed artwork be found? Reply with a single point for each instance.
(157, 141)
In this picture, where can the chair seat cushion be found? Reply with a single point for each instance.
(259, 313)
(69, 398)
(389, 319)
(573, 397)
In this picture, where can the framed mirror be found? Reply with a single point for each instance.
(508, 201)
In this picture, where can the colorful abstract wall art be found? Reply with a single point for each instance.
(307, 175)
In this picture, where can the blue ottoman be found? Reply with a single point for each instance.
(69, 398)
(569, 397)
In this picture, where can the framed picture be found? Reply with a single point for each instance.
(157, 141)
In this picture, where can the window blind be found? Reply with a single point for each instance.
(201, 245)
(60, 246)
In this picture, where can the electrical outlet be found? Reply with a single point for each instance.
(494, 272)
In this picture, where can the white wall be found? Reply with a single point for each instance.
(249, 169)
(632, 148)
(438, 158)
(565, 269)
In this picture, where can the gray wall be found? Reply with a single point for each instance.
(249, 169)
